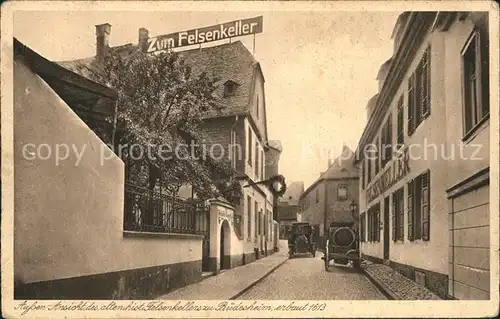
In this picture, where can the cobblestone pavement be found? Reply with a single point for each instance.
(305, 278)
(398, 285)
(228, 283)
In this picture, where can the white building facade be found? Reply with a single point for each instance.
(424, 155)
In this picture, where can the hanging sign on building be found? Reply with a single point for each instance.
(395, 171)
(207, 34)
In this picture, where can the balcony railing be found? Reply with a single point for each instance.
(151, 211)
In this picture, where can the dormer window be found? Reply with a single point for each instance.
(229, 88)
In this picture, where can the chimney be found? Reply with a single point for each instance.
(102, 32)
(143, 39)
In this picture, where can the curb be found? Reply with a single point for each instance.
(258, 280)
(391, 295)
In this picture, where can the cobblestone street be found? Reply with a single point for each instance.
(305, 278)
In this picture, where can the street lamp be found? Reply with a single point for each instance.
(353, 206)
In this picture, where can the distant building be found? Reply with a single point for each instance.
(329, 198)
(289, 207)
(423, 210)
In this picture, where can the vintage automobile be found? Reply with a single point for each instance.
(301, 239)
(342, 244)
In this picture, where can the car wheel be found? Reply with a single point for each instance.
(356, 264)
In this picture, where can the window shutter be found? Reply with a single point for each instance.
(362, 174)
(364, 226)
(394, 201)
(410, 210)
(389, 139)
(411, 103)
(484, 57)
(425, 84)
(425, 205)
(401, 214)
(400, 119)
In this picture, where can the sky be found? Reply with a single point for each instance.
(320, 68)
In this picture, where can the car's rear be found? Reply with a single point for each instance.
(342, 244)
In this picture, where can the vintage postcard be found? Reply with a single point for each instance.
(268, 159)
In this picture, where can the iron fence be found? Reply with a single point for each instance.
(152, 211)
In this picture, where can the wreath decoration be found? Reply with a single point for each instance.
(277, 185)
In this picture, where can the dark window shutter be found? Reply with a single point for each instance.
(394, 206)
(362, 174)
(361, 227)
(425, 84)
(400, 119)
(410, 210)
(485, 66)
(377, 223)
(389, 139)
(401, 214)
(411, 103)
(425, 205)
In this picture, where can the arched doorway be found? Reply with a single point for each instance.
(225, 248)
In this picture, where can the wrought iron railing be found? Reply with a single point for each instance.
(151, 211)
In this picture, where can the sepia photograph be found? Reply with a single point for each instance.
(250, 159)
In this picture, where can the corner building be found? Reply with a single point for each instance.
(424, 186)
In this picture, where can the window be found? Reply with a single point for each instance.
(362, 175)
(342, 192)
(369, 164)
(387, 141)
(374, 223)
(418, 207)
(397, 214)
(475, 82)
(400, 124)
(419, 93)
(257, 106)
(262, 165)
(377, 156)
(229, 88)
(249, 218)
(250, 146)
(256, 218)
(256, 159)
(362, 227)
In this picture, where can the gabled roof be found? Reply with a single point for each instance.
(342, 167)
(93, 102)
(226, 62)
(294, 190)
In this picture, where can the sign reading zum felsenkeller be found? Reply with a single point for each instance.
(207, 34)
(396, 170)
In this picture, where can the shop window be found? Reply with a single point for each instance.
(475, 82)
(398, 215)
(419, 93)
(418, 207)
(342, 192)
